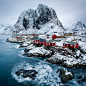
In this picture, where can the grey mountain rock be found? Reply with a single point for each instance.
(36, 18)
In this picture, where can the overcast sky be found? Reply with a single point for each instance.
(67, 10)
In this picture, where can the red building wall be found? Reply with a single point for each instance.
(54, 37)
(71, 46)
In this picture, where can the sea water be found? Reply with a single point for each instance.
(11, 60)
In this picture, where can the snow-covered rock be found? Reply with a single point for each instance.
(16, 39)
(82, 45)
(78, 53)
(38, 52)
(67, 58)
(26, 43)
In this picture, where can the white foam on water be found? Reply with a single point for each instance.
(75, 83)
(16, 46)
(21, 53)
(21, 65)
(45, 74)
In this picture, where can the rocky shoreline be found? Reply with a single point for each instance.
(56, 55)
(61, 56)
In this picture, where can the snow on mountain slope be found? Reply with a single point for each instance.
(48, 28)
(51, 28)
(19, 24)
(40, 20)
(69, 25)
(80, 27)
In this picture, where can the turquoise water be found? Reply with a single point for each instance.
(11, 60)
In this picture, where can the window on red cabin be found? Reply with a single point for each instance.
(53, 44)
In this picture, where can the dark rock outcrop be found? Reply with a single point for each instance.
(66, 75)
(27, 73)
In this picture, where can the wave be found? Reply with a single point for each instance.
(16, 46)
(45, 76)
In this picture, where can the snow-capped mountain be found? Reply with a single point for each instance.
(75, 26)
(40, 20)
(79, 27)
(5, 29)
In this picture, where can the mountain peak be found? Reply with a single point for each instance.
(41, 5)
(80, 24)
(35, 19)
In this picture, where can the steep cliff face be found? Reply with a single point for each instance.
(45, 14)
(29, 19)
(19, 24)
(35, 19)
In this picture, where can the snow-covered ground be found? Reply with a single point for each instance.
(67, 61)
(39, 50)
(82, 45)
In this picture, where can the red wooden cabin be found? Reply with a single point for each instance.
(38, 41)
(54, 36)
(71, 44)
